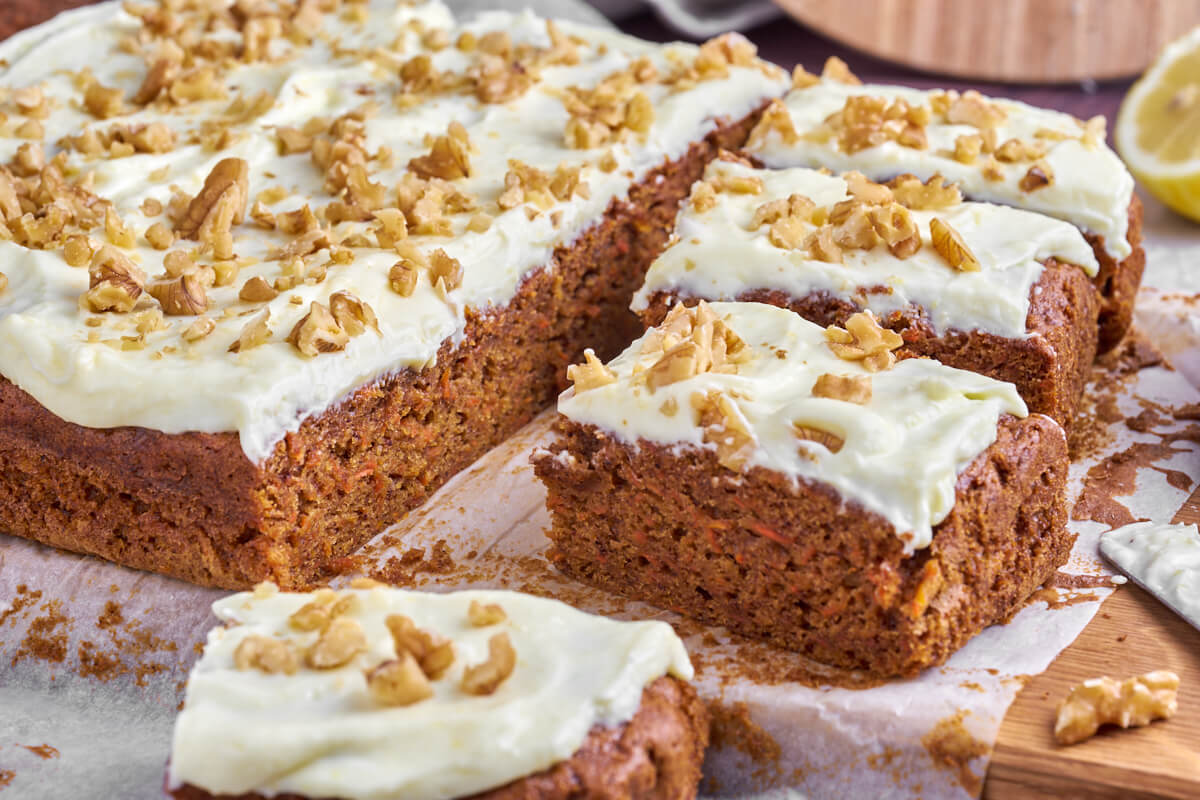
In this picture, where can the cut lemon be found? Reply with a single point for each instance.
(1158, 127)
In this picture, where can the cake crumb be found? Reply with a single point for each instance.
(952, 747)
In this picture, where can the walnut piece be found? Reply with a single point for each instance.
(448, 157)
(433, 653)
(863, 339)
(445, 272)
(318, 332)
(591, 374)
(950, 246)
(221, 203)
(481, 615)
(199, 329)
(972, 108)
(485, 678)
(724, 426)
(115, 282)
(849, 388)
(352, 313)
(807, 433)
(338, 643)
(1038, 176)
(1133, 702)
(399, 682)
(837, 70)
(933, 194)
(181, 297)
(266, 654)
(257, 290)
(776, 118)
(255, 333)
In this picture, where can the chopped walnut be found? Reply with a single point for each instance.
(266, 654)
(836, 70)
(807, 433)
(1093, 132)
(352, 313)
(802, 78)
(972, 108)
(933, 194)
(199, 329)
(218, 206)
(967, 148)
(848, 388)
(181, 297)
(724, 427)
(118, 233)
(103, 102)
(115, 283)
(604, 114)
(737, 184)
(866, 121)
(402, 277)
(821, 245)
(592, 373)
(445, 272)
(796, 205)
(159, 236)
(863, 339)
(704, 197)
(449, 156)
(950, 245)
(482, 615)
(338, 643)
(314, 615)
(318, 332)
(433, 653)
(1015, 150)
(485, 678)
(1133, 702)
(775, 118)
(1038, 176)
(255, 333)
(399, 682)
(77, 251)
(292, 140)
(896, 227)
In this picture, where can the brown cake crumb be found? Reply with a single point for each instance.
(952, 747)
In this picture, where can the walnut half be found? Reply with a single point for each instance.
(1133, 702)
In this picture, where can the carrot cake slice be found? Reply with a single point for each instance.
(747, 467)
(996, 150)
(385, 694)
(988, 288)
(274, 272)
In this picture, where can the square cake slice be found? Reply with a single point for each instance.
(269, 288)
(996, 150)
(375, 693)
(993, 289)
(746, 467)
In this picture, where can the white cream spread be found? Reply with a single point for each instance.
(717, 256)
(902, 450)
(1164, 559)
(1091, 188)
(319, 733)
(86, 375)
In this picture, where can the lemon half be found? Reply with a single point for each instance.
(1158, 127)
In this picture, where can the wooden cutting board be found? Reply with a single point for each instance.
(1132, 634)
(1044, 41)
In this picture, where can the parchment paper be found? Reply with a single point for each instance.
(93, 657)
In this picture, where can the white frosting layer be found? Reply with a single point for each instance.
(717, 257)
(318, 733)
(902, 450)
(1091, 189)
(264, 392)
(1165, 559)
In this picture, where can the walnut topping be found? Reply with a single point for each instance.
(775, 118)
(950, 246)
(115, 282)
(796, 205)
(704, 197)
(219, 205)
(821, 246)
(967, 148)
(449, 156)
(103, 102)
(933, 194)
(257, 290)
(604, 114)
(1014, 151)
(77, 251)
(1038, 176)
(724, 427)
(402, 277)
(865, 121)
(482, 615)
(445, 272)
(338, 643)
(807, 433)
(971, 108)
(159, 236)
(591, 374)
(1093, 132)
(895, 226)
(863, 339)
(802, 78)
(318, 332)
(266, 654)
(433, 653)
(689, 342)
(848, 388)
(399, 682)
(292, 140)
(352, 313)
(1133, 702)
(199, 329)
(837, 70)
(116, 230)
(425, 204)
(182, 297)
(314, 615)
(485, 678)
(254, 333)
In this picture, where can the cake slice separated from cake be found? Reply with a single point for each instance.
(996, 150)
(749, 468)
(983, 287)
(375, 693)
(273, 278)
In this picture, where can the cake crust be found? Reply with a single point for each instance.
(193, 506)
(655, 756)
(804, 567)
(1049, 369)
(1118, 281)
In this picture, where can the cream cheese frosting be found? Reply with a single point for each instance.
(1091, 188)
(1165, 559)
(717, 254)
(97, 370)
(900, 453)
(320, 733)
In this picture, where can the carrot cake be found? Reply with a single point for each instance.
(272, 273)
(998, 151)
(982, 287)
(744, 466)
(384, 694)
